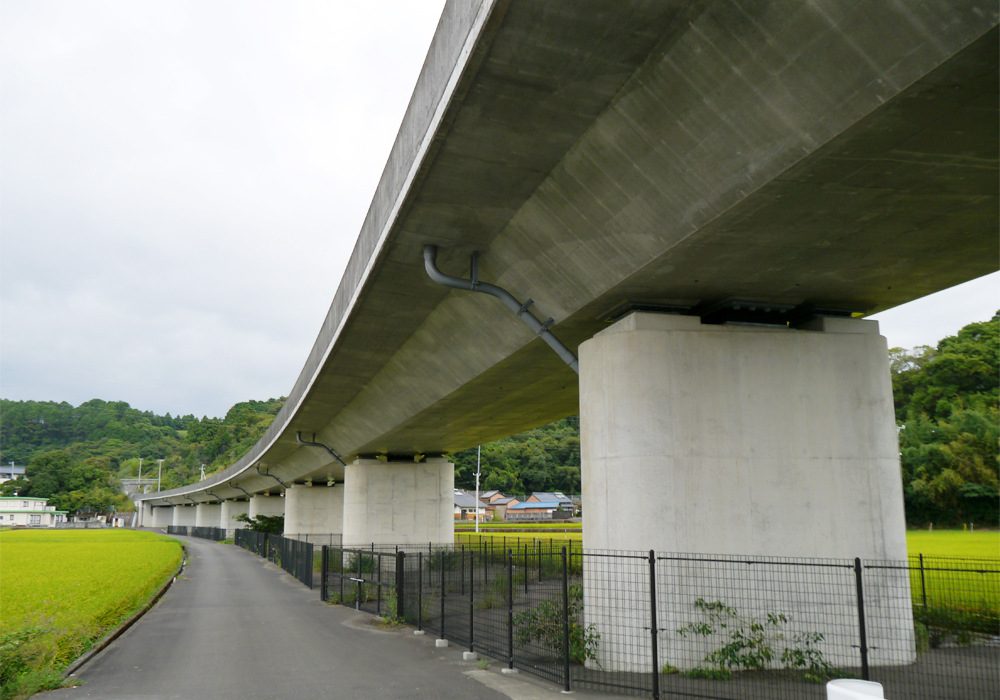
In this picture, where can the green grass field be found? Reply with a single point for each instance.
(953, 543)
(61, 590)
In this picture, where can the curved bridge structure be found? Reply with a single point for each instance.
(655, 176)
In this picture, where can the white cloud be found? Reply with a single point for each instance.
(182, 185)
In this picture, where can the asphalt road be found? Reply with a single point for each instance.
(235, 626)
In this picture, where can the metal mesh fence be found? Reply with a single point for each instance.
(216, 534)
(955, 642)
(684, 625)
(293, 556)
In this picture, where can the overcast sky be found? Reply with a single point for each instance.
(182, 183)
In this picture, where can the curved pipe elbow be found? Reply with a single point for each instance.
(521, 310)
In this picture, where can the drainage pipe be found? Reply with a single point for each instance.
(298, 439)
(273, 477)
(521, 310)
(234, 486)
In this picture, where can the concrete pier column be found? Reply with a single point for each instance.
(230, 509)
(262, 504)
(163, 516)
(208, 515)
(314, 509)
(144, 514)
(184, 515)
(741, 440)
(399, 502)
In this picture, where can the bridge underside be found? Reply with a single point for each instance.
(703, 157)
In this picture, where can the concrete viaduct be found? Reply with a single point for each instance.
(704, 197)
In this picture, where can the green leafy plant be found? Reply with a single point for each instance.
(545, 623)
(754, 644)
(957, 625)
(29, 662)
(273, 524)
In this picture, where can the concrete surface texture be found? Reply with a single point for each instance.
(262, 504)
(184, 515)
(314, 508)
(749, 441)
(228, 513)
(604, 155)
(161, 516)
(208, 515)
(740, 440)
(399, 502)
(235, 627)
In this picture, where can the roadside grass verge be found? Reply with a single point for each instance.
(62, 590)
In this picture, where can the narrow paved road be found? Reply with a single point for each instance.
(237, 627)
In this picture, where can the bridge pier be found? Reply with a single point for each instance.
(230, 509)
(208, 514)
(162, 516)
(399, 502)
(314, 509)
(265, 504)
(184, 515)
(742, 440)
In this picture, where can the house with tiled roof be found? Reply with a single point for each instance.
(466, 506)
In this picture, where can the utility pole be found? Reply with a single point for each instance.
(159, 471)
(138, 484)
(479, 455)
(202, 473)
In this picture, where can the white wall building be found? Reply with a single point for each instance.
(27, 511)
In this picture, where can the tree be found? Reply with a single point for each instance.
(949, 425)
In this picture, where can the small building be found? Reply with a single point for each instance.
(466, 506)
(540, 510)
(29, 511)
(10, 471)
(549, 497)
(501, 504)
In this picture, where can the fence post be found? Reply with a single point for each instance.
(565, 595)
(442, 595)
(324, 558)
(378, 600)
(654, 629)
(400, 585)
(510, 608)
(463, 570)
(472, 599)
(863, 639)
(526, 568)
(923, 583)
(420, 591)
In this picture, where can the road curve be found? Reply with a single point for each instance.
(235, 626)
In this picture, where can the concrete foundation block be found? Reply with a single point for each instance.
(440, 643)
(470, 656)
(747, 441)
(399, 502)
(509, 671)
(419, 633)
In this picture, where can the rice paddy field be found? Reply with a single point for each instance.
(946, 543)
(61, 590)
(960, 571)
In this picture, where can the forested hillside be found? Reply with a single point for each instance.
(76, 456)
(946, 409)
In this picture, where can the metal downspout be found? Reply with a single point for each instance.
(521, 310)
(273, 477)
(234, 486)
(298, 439)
